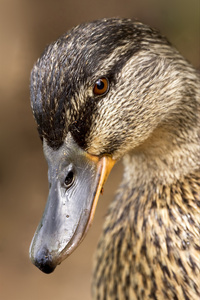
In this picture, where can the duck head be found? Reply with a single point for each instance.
(96, 93)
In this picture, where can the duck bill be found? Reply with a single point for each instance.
(70, 208)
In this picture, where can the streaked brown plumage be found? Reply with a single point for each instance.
(150, 116)
(151, 251)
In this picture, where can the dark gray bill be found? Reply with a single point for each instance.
(76, 179)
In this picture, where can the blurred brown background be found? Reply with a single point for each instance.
(26, 27)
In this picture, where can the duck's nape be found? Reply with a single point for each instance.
(110, 89)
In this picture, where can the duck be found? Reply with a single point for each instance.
(109, 90)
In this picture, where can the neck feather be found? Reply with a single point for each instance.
(150, 241)
(165, 157)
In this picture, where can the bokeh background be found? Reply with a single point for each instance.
(26, 27)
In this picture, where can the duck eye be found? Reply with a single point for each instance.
(69, 179)
(101, 86)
